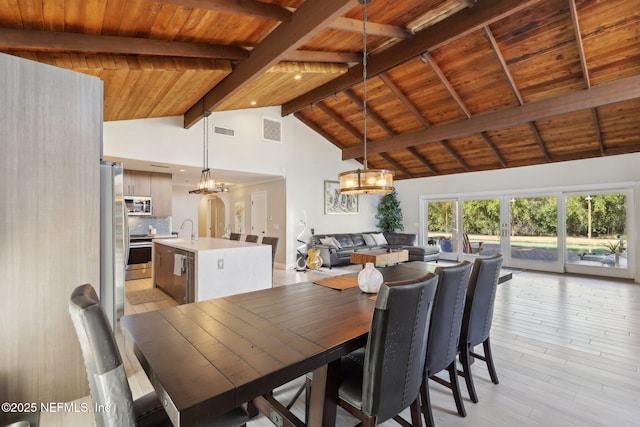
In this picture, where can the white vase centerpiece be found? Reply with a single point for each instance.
(370, 279)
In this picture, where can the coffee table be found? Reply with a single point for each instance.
(380, 258)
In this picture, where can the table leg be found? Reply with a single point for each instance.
(323, 401)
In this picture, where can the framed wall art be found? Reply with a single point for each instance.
(336, 203)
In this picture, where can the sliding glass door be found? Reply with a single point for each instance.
(596, 229)
(531, 239)
(441, 226)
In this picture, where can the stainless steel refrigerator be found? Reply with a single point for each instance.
(114, 241)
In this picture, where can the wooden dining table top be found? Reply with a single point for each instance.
(207, 357)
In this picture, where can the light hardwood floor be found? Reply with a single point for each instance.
(566, 348)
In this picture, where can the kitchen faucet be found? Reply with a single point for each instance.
(193, 237)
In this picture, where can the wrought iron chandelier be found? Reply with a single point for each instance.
(365, 181)
(207, 185)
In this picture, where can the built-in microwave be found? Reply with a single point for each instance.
(137, 205)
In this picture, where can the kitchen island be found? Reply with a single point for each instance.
(206, 268)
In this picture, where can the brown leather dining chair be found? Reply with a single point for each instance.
(444, 334)
(107, 379)
(235, 236)
(251, 238)
(478, 315)
(379, 381)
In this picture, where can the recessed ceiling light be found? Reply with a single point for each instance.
(181, 170)
(253, 103)
(297, 77)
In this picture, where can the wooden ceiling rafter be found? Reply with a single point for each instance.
(596, 124)
(319, 130)
(339, 120)
(624, 89)
(503, 64)
(423, 160)
(396, 166)
(445, 144)
(373, 29)
(322, 56)
(57, 41)
(493, 149)
(446, 83)
(308, 20)
(539, 141)
(376, 118)
(252, 8)
(578, 33)
(438, 35)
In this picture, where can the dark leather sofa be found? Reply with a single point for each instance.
(340, 254)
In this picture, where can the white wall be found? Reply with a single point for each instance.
(304, 158)
(579, 174)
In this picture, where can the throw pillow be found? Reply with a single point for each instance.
(379, 238)
(369, 240)
(336, 243)
(328, 241)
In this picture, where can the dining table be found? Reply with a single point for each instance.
(207, 357)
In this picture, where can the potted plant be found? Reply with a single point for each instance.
(615, 248)
(389, 214)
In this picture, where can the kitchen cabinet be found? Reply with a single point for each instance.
(162, 194)
(137, 183)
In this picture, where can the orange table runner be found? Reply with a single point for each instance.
(339, 282)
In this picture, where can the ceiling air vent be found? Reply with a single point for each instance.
(271, 130)
(224, 131)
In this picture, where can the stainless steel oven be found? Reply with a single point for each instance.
(139, 265)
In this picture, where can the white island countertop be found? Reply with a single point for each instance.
(204, 244)
(221, 267)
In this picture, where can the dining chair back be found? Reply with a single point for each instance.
(444, 334)
(273, 241)
(234, 236)
(382, 379)
(108, 383)
(478, 315)
(251, 238)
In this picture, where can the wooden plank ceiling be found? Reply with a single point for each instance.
(454, 85)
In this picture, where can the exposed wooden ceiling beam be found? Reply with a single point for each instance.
(397, 166)
(373, 29)
(54, 41)
(503, 64)
(493, 149)
(576, 29)
(376, 118)
(319, 130)
(320, 56)
(596, 124)
(423, 160)
(538, 138)
(445, 82)
(339, 120)
(610, 93)
(459, 25)
(307, 21)
(253, 8)
(446, 146)
(403, 99)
